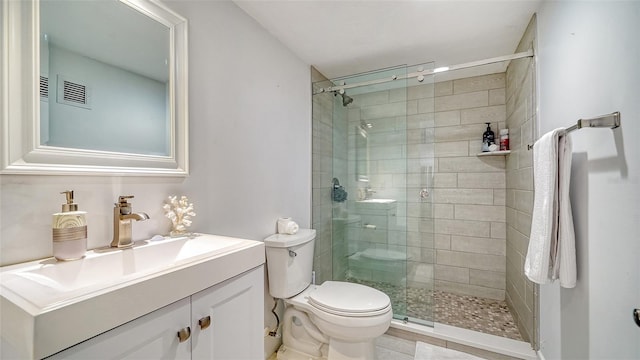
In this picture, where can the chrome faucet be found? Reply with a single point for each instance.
(122, 217)
(368, 193)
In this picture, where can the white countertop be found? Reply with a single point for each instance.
(48, 305)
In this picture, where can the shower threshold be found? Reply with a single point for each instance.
(462, 339)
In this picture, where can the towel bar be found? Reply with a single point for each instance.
(609, 121)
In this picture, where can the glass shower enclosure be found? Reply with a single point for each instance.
(382, 171)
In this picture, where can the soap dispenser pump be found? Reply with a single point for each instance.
(69, 231)
(488, 138)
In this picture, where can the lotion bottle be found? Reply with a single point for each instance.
(488, 138)
(69, 231)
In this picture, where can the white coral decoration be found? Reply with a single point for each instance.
(180, 213)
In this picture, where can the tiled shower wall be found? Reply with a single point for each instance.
(521, 116)
(461, 240)
(469, 195)
(460, 231)
(322, 168)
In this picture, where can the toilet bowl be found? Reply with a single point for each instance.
(335, 320)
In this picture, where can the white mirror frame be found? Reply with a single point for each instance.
(20, 103)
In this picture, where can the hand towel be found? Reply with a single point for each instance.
(565, 266)
(551, 252)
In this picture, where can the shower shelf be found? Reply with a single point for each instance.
(495, 153)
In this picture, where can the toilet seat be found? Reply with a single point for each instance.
(349, 299)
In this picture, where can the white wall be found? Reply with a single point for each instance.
(127, 111)
(588, 65)
(250, 147)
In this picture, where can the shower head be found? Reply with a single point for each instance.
(346, 99)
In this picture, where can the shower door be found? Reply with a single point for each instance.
(382, 169)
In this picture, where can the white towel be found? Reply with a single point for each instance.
(551, 253)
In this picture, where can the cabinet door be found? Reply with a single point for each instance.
(234, 312)
(152, 336)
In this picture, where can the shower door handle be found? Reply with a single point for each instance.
(424, 193)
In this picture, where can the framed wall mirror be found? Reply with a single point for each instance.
(96, 87)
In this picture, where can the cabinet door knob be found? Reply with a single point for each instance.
(204, 322)
(184, 334)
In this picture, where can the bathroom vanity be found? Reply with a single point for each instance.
(179, 298)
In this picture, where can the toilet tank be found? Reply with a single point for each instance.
(289, 262)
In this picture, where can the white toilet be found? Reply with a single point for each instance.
(335, 320)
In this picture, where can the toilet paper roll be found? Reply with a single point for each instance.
(287, 226)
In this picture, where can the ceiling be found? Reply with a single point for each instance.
(138, 43)
(347, 37)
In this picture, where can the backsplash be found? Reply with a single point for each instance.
(29, 201)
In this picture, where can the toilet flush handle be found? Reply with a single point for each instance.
(292, 253)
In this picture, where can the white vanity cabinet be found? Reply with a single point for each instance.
(223, 322)
(234, 313)
(152, 336)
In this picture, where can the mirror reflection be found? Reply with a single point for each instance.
(104, 78)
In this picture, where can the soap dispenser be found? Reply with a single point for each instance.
(488, 138)
(69, 231)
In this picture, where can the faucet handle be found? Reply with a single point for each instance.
(123, 206)
(122, 200)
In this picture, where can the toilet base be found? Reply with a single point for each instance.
(342, 350)
(287, 353)
(338, 350)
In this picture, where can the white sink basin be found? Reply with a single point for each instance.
(47, 283)
(375, 205)
(113, 286)
(377, 201)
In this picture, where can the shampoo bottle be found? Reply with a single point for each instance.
(488, 138)
(69, 231)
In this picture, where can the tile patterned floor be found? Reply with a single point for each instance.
(474, 313)
(469, 312)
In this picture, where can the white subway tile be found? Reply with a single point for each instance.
(462, 101)
(478, 245)
(444, 88)
(447, 118)
(425, 105)
(499, 196)
(443, 211)
(490, 279)
(463, 227)
(374, 98)
(463, 196)
(445, 180)
(420, 91)
(473, 290)
(481, 115)
(452, 273)
(487, 180)
(383, 111)
(477, 83)
(497, 97)
(472, 164)
(472, 261)
(498, 230)
(452, 148)
(460, 132)
(480, 212)
(420, 121)
(524, 201)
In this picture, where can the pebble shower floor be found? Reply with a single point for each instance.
(469, 312)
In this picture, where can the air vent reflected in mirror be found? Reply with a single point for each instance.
(74, 93)
(44, 88)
